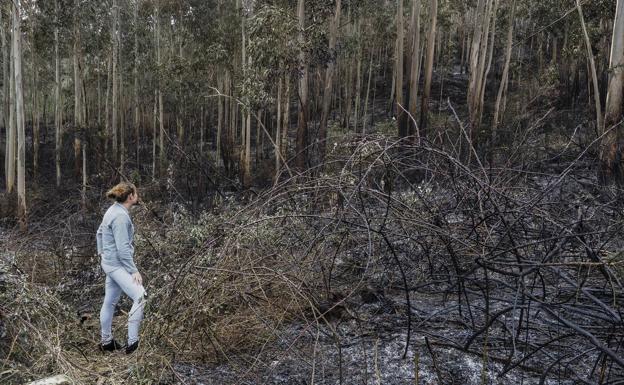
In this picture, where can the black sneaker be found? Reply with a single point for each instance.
(132, 347)
(111, 346)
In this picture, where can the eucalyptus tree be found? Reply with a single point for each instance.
(414, 60)
(481, 40)
(4, 46)
(9, 158)
(302, 123)
(79, 108)
(135, 72)
(161, 123)
(612, 143)
(11, 143)
(592, 66)
(499, 106)
(329, 76)
(275, 48)
(318, 56)
(34, 54)
(398, 65)
(19, 113)
(114, 78)
(379, 33)
(429, 57)
(58, 111)
(246, 60)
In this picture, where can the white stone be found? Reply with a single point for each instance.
(55, 380)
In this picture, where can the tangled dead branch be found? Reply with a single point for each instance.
(518, 266)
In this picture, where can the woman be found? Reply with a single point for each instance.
(114, 245)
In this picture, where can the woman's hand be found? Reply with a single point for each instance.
(137, 278)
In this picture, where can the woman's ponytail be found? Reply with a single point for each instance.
(121, 192)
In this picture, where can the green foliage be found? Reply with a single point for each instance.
(273, 48)
(273, 39)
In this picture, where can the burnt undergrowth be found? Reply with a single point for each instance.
(396, 261)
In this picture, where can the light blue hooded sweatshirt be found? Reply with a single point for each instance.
(114, 240)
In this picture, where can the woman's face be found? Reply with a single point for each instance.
(133, 198)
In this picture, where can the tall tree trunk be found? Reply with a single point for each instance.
(278, 122)
(115, 105)
(554, 50)
(5, 95)
(154, 134)
(107, 122)
(83, 92)
(358, 76)
(201, 130)
(301, 158)
(259, 136)
(35, 110)
(233, 128)
(137, 141)
(486, 49)
(393, 82)
(348, 82)
(439, 39)
(328, 87)
(247, 149)
(84, 176)
(220, 108)
(161, 143)
(379, 65)
(478, 57)
(180, 112)
(225, 131)
(415, 68)
(19, 109)
(424, 105)
(490, 54)
(246, 126)
(57, 98)
(398, 87)
(78, 119)
(286, 115)
(462, 43)
(611, 146)
(318, 88)
(12, 129)
(499, 109)
(99, 95)
(592, 65)
(368, 87)
(36, 125)
(121, 105)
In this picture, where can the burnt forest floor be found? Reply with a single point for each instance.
(398, 263)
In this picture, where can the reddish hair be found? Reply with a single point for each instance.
(121, 191)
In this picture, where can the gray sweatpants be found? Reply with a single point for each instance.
(119, 280)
